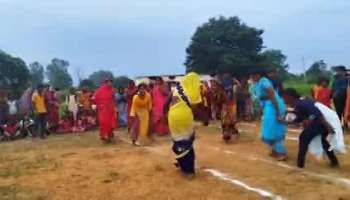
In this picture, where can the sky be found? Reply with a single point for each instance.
(149, 37)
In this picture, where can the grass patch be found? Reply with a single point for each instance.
(15, 166)
(301, 86)
(14, 192)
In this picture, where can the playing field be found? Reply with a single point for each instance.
(78, 166)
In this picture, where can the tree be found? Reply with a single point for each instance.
(87, 83)
(36, 73)
(58, 75)
(275, 59)
(317, 69)
(98, 76)
(14, 74)
(121, 81)
(224, 44)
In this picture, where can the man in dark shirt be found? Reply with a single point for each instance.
(339, 87)
(314, 125)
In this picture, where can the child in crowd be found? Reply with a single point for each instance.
(317, 120)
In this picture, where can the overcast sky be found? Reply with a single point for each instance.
(138, 37)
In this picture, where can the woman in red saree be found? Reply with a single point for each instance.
(104, 99)
(131, 92)
(53, 104)
(159, 95)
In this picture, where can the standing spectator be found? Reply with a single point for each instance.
(12, 109)
(40, 111)
(159, 95)
(3, 107)
(25, 105)
(131, 91)
(73, 106)
(339, 87)
(52, 105)
(120, 99)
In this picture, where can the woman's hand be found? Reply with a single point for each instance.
(280, 118)
(330, 130)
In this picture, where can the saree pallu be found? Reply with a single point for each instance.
(106, 113)
(158, 119)
(53, 113)
(140, 127)
(107, 120)
(130, 95)
(271, 129)
(229, 120)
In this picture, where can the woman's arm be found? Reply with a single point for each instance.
(271, 95)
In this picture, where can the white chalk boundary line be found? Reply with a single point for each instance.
(337, 180)
(221, 176)
(241, 184)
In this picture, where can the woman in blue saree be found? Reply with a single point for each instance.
(273, 111)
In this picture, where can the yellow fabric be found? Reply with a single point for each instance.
(143, 116)
(191, 85)
(139, 103)
(141, 109)
(39, 103)
(180, 115)
(180, 120)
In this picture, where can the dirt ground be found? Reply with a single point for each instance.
(79, 167)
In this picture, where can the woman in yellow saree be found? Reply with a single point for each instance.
(181, 120)
(140, 114)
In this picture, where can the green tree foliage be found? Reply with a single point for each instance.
(317, 70)
(58, 75)
(14, 74)
(275, 59)
(36, 73)
(87, 83)
(121, 81)
(98, 76)
(224, 44)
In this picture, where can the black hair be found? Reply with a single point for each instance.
(323, 79)
(291, 92)
(339, 68)
(258, 71)
(40, 87)
(142, 85)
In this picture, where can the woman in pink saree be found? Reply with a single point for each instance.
(159, 95)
